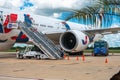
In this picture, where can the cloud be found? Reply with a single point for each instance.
(113, 40)
(45, 7)
(49, 7)
(2, 2)
(11, 4)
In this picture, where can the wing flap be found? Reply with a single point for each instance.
(103, 31)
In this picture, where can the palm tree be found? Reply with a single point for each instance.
(85, 15)
(112, 9)
(100, 14)
(111, 6)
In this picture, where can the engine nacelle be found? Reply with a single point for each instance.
(74, 41)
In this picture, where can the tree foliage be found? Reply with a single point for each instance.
(100, 14)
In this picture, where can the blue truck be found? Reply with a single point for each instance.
(100, 48)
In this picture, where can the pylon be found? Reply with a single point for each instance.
(77, 58)
(83, 58)
(68, 58)
(64, 56)
(106, 60)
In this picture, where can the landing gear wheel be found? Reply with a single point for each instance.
(81, 53)
(29, 57)
(106, 54)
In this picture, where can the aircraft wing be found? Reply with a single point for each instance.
(103, 31)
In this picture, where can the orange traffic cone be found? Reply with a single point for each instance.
(106, 60)
(77, 58)
(64, 56)
(68, 58)
(83, 58)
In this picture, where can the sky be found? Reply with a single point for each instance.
(58, 9)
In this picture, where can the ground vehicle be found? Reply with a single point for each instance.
(31, 52)
(100, 48)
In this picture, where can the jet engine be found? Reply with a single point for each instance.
(74, 41)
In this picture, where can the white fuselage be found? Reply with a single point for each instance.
(47, 24)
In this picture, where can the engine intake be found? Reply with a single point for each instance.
(68, 40)
(74, 41)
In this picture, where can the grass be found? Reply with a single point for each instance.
(11, 50)
(110, 50)
(87, 50)
(114, 51)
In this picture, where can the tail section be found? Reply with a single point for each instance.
(8, 35)
(12, 18)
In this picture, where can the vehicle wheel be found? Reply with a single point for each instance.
(106, 54)
(29, 57)
(37, 56)
(95, 55)
(20, 56)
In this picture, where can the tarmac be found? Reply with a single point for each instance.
(72, 68)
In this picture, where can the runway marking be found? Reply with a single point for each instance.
(22, 78)
(16, 78)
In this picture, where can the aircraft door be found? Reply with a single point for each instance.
(59, 26)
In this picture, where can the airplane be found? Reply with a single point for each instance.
(72, 37)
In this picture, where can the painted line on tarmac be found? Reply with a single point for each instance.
(16, 78)
(22, 78)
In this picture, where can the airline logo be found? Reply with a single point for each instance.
(84, 42)
(9, 26)
(12, 25)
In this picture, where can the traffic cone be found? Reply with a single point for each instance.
(106, 60)
(68, 58)
(83, 58)
(77, 58)
(64, 56)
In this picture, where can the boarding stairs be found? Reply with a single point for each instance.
(41, 41)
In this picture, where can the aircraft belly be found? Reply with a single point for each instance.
(54, 37)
